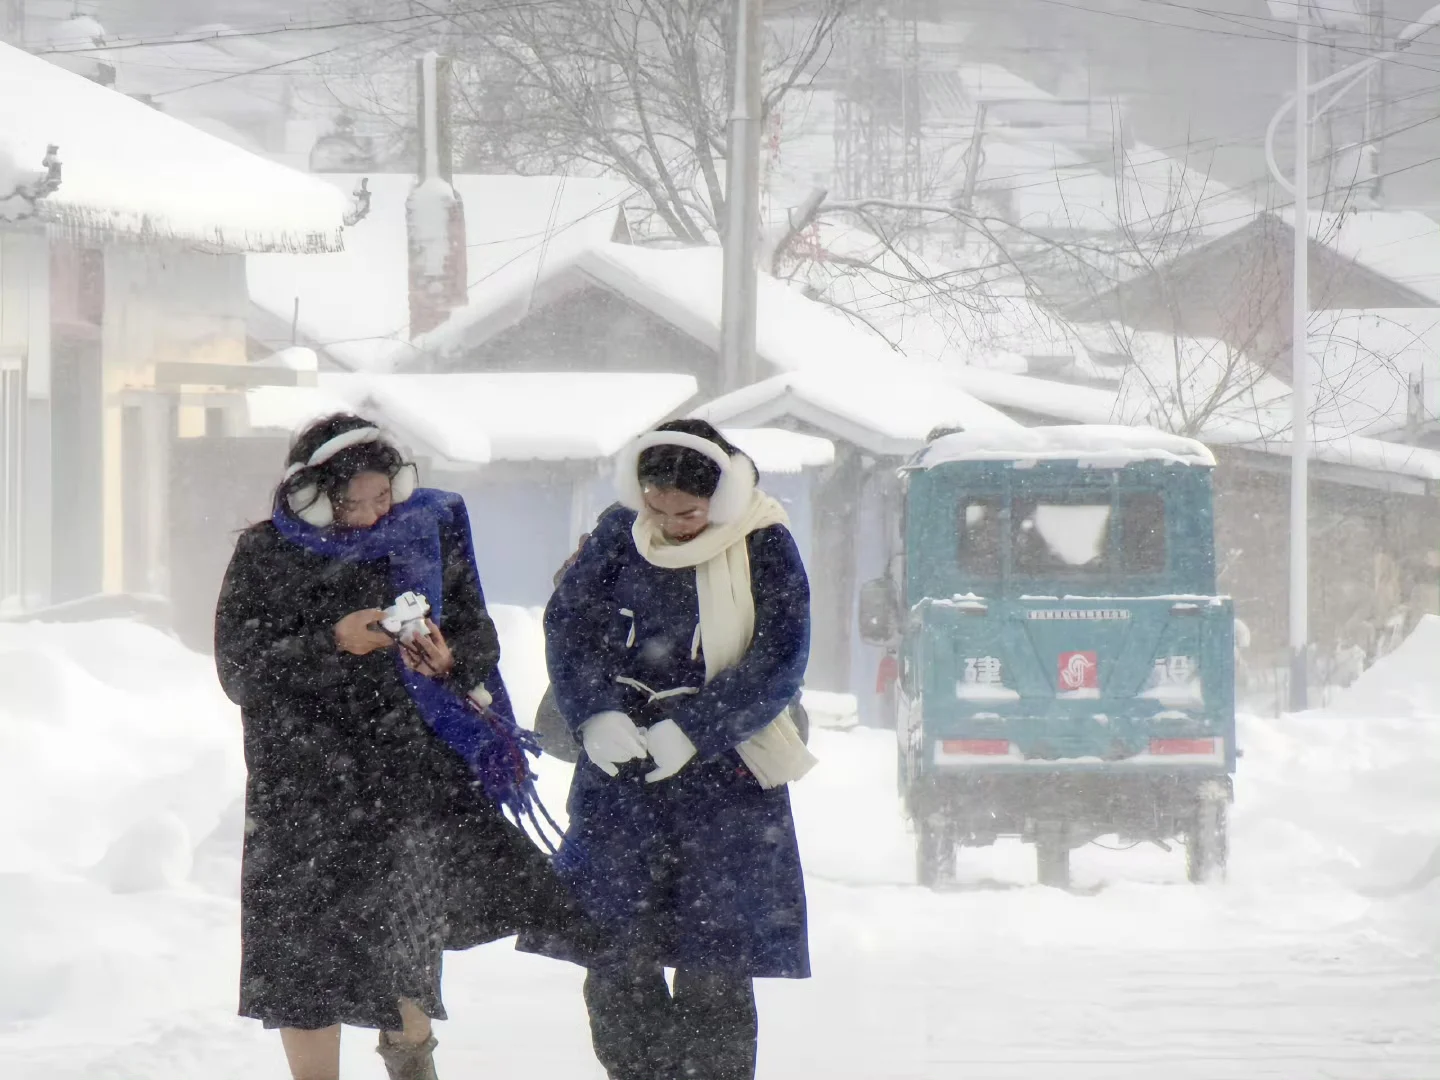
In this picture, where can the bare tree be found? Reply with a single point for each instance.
(638, 88)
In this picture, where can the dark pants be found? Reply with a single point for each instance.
(706, 1030)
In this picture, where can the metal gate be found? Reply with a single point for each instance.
(12, 446)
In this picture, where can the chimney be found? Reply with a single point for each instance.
(434, 215)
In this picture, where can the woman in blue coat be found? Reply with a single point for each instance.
(675, 643)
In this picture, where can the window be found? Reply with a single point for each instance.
(1142, 532)
(979, 533)
(1088, 535)
(1060, 535)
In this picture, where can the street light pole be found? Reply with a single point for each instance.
(1300, 380)
(742, 203)
(1299, 354)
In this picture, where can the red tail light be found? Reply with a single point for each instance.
(998, 747)
(1182, 746)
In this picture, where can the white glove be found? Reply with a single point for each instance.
(610, 738)
(670, 747)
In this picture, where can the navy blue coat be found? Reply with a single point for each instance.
(700, 871)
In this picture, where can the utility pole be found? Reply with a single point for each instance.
(1380, 124)
(1301, 12)
(434, 212)
(742, 203)
(1300, 379)
(973, 162)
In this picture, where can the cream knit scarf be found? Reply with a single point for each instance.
(721, 560)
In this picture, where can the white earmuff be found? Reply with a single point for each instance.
(404, 483)
(312, 506)
(732, 495)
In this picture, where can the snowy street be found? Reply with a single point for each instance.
(119, 771)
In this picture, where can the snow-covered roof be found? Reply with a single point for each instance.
(472, 419)
(683, 287)
(1332, 446)
(1147, 192)
(1093, 445)
(1402, 245)
(355, 305)
(131, 170)
(1264, 432)
(995, 82)
(890, 410)
(775, 450)
(1039, 397)
(930, 309)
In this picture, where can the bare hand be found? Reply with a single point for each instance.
(429, 654)
(353, 634)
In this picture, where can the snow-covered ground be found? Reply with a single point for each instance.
(120, 772)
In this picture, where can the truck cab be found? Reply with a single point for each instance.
(1064, 662)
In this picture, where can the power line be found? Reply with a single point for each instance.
(228, 76)
(225, 34)
(1263, 36)
(1289, 24)
(1287, 35)
(228, 34)
(1208, 145)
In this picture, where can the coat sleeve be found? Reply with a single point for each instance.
(467, 626)
(741, 701)
(267, 646)
(579, 652)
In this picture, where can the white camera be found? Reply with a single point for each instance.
(406, 618)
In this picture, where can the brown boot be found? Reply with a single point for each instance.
(405, 1061)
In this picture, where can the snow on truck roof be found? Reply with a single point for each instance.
(129, 169)
(1097, 446)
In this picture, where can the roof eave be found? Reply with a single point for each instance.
(100, 225)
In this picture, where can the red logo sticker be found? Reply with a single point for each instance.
(1079, 671)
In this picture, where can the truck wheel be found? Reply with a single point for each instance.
(1052, 858)
(934, 854)
(1207, 843)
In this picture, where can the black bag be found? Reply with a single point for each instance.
(552, 730)
(801, 718)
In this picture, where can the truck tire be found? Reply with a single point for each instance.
(1207, 845)
(1052, 858)
(934, 853)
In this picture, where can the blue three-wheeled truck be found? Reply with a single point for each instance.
(1064, 665)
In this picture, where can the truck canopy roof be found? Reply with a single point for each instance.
(1097, 446)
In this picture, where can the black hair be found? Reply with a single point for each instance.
(331, 478)
(679, 468)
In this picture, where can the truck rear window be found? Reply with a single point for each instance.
(1064, 536)
(979, 531)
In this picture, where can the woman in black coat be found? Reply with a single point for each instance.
(378, 771)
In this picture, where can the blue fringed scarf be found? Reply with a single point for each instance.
(489, 740)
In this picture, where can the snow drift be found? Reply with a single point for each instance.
(120, 780)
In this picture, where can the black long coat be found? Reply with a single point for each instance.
(368, 849)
